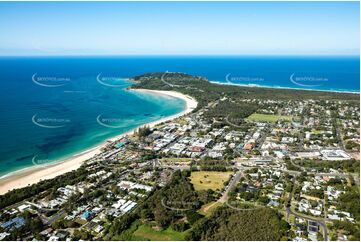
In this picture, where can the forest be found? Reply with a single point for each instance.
(231, 224)
(205, 91)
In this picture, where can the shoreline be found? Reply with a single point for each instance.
(34, 174)
(280, 87)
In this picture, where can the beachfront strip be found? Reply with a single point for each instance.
(300, 158)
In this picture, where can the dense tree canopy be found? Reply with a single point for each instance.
(231, 224)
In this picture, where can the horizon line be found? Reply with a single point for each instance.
(182, 55)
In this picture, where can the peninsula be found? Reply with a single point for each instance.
(233, 160)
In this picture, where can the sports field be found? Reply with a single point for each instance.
(257, 117)
(204, 180)
(145, 232)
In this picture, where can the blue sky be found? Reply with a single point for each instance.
(180, 28)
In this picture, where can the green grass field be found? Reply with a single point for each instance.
(204, 180)
(316, 132)
(257, 117)
(145, 232)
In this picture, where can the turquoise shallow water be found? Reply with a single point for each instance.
(55, 107)
(49, 123)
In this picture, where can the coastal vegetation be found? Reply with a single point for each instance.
(231, 224)
(174, 213)
(176, 176)
(222, 101)
(350, 202)
(18, 195)
(209, 164)
(168, 207)
(142, 132)
(206, 92)
(351, 165)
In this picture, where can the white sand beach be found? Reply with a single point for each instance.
(35, 174)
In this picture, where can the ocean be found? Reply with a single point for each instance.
(55, 107)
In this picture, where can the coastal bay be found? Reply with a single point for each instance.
(82, 99)
(35, 174)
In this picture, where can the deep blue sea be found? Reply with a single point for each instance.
(55, 107)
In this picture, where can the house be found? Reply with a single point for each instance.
(54, 238)
(62, 235)
(273, 203)
(3, 235)
(119, 203)
(288, 140)
(310, 155)
(119, 144)
(46, 232)
(215, 154)
(127, 185)
(332, 193)
(98, 228)
(279, 187)
(335, 155)
(87, 215)
(339, 215)
(304, 205)
(197, 149)
(315, 212)
(301, 229)
(312, 230)
(300, 220)
(16, 222)
(23, 207)
(262, 162)
(279, 154)
(248, 146)
(265, 153)
(342, 237)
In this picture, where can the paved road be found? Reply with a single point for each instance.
(298, 166)
(262, 139)
(301, 135)
(232, 124)
(320, 222)
(231, 184)
(55, 217)
(174, 167)
(175, 85)
(344, 175)
(289, 211)
(167, 83)
(289, 200)
(339, 136)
